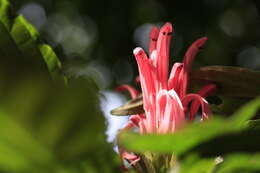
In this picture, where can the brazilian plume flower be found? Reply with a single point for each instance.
(166, 100)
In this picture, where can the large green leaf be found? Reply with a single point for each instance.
(53, 63)
(19, 146)
(191, 135)
(46, 126)
(178, 142)
(56, 127)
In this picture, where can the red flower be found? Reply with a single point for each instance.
(165, 98)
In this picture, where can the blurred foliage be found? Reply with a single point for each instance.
(235, 140)
(46, 125)
(21, 39)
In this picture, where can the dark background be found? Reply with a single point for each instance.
(103, 34)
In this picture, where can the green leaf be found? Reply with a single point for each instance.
(53, 63)
(241, 141)
(253, 124)
(19, 145)
(26, 38)
(194, 164)
(20, 44)
(5, 13)
(11, 160)
(53, 129)
(8, 48)
(245, 113)
(191, 135)
(44, 125)
(178, 142)
(240, 163)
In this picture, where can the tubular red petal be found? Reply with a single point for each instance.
(204, 104)
(171, 111)
(161, 101)
(168, 119)
(183, 83)
(173, 82)
(163, 51)
(179, 116)
(208, 90)
(133, 92)
(187, 62)
(154, 58)
(124, 155)
(137, 79)
(147, 79)
(131, 158)
(153, 39)
(192, 52)
(204, 92)
(135, 119)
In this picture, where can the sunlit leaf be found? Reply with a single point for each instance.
(20, 43)
(5, 13)
(53, 63)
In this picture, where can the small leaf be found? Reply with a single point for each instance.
(5, 13)
(132, 107)
(52, 61)
(26, 37)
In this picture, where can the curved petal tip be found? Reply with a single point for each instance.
(138, 51)
(167, 27)
(154, 33)
(200, 42)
